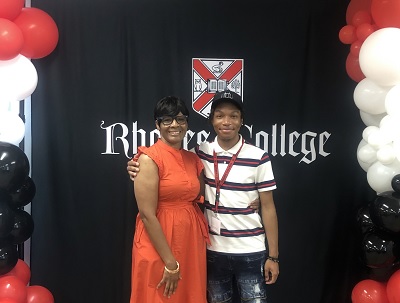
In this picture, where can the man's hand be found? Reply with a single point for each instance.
(133, 169)
(271, 272)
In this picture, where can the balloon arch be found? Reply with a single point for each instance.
(372, 32)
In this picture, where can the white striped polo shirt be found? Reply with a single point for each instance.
(242, 230)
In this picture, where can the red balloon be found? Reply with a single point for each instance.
(386, 13)
(11, 39)
(40, 32)
(361, 17)
(353, 68)
(369, 291)
(347, 34)
(21, 270)
(12, 288)
(364, 30)
(393, 287)
(355, 6)
(355, 48)
(8, 301)
(38, 294)
(10, 9)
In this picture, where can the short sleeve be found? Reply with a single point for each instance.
(264, 176)
(152, 153)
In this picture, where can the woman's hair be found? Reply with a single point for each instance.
(170, 106)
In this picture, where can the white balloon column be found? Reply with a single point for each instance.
(25, 33)
(379, 93)
(373, 33)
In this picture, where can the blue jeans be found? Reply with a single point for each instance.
(247, 270)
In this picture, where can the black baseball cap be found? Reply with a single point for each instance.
(227, 96)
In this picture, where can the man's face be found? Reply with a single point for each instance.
(227, 120)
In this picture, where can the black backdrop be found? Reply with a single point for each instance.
(116, 58)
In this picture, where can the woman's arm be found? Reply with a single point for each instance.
(146, 193)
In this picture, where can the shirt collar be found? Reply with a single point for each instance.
(233, 150)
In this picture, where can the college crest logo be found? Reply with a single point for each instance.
(214, 75)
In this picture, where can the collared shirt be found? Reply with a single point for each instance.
(241, 228)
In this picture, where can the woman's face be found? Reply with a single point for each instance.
(173, 129)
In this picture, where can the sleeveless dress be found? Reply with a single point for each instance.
(184, 227)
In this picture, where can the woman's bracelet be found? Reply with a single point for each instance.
(276, 260)
(172, 271)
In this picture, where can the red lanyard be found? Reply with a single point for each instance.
(219, 183)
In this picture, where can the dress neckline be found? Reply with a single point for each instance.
(168, 147)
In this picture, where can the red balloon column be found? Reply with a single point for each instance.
(372, 32)
(25, 33)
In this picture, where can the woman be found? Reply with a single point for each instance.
(169, 247)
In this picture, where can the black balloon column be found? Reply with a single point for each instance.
(16, 191)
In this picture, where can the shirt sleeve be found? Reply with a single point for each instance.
(265, 180)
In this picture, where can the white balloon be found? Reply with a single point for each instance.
(392, 101)
(386, 154)
(368, 131)
(379, 176)
(18, 79)
(371, 120)
(379, 56)
(12, 128)
(364, 165)
(367, 154)
(390, 126)
(396, 147)
(378, 138)
(370, 97)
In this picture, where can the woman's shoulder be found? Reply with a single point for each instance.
(151, 153)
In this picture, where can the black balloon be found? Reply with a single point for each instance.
(8, 258)
(396, 183)
(364, 221)
(23, 195)
(382, 274)
(14, 166)
(6, 215)
(379, 249)
(6, 241)
(23, 227)
(385, 211)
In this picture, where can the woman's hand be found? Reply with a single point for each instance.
(255, 205)
(170, 281)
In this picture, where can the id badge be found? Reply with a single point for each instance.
(215, 225)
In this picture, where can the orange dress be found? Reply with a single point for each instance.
(184, 227)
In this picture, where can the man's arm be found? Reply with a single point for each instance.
(270, 222)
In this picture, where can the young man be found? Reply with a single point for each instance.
(236, 173)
